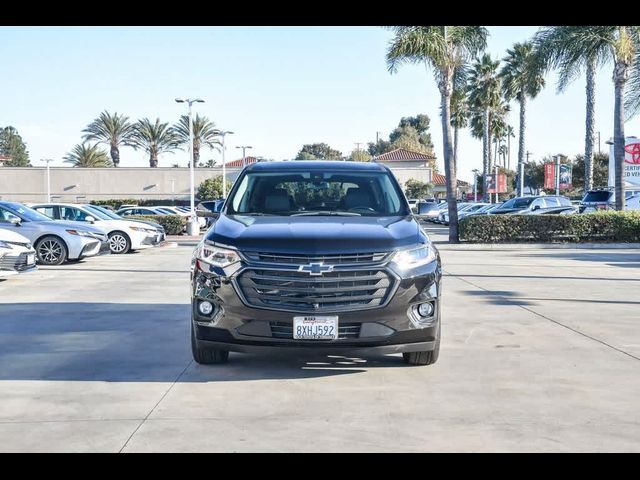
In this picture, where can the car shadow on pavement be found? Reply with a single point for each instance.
(613, 259)
(499, 297)
(116, 342)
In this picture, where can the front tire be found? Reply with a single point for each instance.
(51, 250)
(205, 355)
(119, 243)
(423, 358)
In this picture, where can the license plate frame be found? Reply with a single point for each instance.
(315, 327)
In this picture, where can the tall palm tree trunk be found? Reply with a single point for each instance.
(486, 151)
(521, 150)
(153, 159)
(196, 154)
(589, 124)
(509, 148)
(449, 162)
(115, 155)
(455, 147)
(620, 75)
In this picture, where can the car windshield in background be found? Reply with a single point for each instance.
(96, 213)
(104, 211)
(26, 213)
(601, 196)
(517, 203)
(318, 193)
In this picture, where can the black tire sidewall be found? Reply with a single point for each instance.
(63, 246)
(127, 248)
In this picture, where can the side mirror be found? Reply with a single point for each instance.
(16, 221)
(89, 219)
(536, 207)
(207, 213)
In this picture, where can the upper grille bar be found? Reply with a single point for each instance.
(330, 259)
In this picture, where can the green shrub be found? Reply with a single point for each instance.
(172, 224)
(608, 226)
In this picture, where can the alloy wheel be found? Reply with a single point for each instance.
(117, 243)
(50, 251)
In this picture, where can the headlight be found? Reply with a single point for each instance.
(140, 229)
(5, 244)
(414, 257)
(216, 256)
(82, 233)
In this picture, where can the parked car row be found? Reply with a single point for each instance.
(54, 233)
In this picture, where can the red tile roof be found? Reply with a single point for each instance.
(438, 179)
(238, 163)
(403, 155)
(4, 158)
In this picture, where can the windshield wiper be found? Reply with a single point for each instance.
(326, 212)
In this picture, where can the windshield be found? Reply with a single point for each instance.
(103, 211)
(25, 212)
(521, 202)
(318, 193)
(96, 213)
(600, 196)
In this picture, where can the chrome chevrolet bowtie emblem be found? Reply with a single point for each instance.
(315, 268)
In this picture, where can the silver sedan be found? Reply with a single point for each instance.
(54, 241)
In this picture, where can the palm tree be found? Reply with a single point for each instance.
(522, 78)
(85, 155)
(484, 96)
(497, 124)
(572, 49)
(459, 108)
(509, 135)
(113, 130)
(443, 48)
(154, 138)
(204, 133)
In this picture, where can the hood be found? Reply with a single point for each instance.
(151, 224)
(321, 235)
(10, 236)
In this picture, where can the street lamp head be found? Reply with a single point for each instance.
(199, 100)
(179, 100)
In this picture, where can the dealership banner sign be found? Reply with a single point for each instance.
(502, 183)
(631, 163)
(549, 175)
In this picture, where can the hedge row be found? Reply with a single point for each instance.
(118, 202)
(172, 224)
(610, 226)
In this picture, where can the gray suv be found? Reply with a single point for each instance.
(530, 204)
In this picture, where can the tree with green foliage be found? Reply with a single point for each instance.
(85, 155)
(599, 171)
(443, 48)
(522, 78)
(485, 99)
(318, 151)
(417, 189)
(360, 155)
(12, 146)
(210, 189)
(572, 48)
(154, 138)
(204, 133)
(110, 129)
(412, 133)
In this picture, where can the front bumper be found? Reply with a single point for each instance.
(235, 326)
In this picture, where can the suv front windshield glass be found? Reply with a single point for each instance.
(318, 193)
(522, 202)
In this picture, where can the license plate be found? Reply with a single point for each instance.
(315, 328)
(31, 259)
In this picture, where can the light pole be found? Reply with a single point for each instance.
(224, 164)
(193, 221)
(47, 161)
(475, 184)
(557, 161)
(244, 147)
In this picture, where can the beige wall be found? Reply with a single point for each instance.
(70, 184)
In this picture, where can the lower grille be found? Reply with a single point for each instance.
(14, 262)
(285, 330)
(339, 290)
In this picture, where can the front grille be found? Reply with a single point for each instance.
(335, 291)
(331, 259)
(14, 262)
(285, 330)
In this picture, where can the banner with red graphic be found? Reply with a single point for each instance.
(502, 183)
(631, 163)
(549, 175)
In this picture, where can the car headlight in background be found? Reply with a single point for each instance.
(414, 257)
(145, 230)
(216, 256)
(81, 233)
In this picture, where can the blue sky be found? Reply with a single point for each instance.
(276, 87)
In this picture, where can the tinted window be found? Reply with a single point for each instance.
(564, 201)
(325, 193)
(552, 202)
(48, 211)
(72, 214)
(599, 196)
(522, 202)
(26, 213)
(6, 216)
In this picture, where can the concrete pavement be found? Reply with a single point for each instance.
(540, 352)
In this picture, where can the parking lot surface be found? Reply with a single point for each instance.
(540, 352)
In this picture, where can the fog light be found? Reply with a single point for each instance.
(205, 308)
(425, 309)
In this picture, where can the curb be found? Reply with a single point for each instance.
(536, 246)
